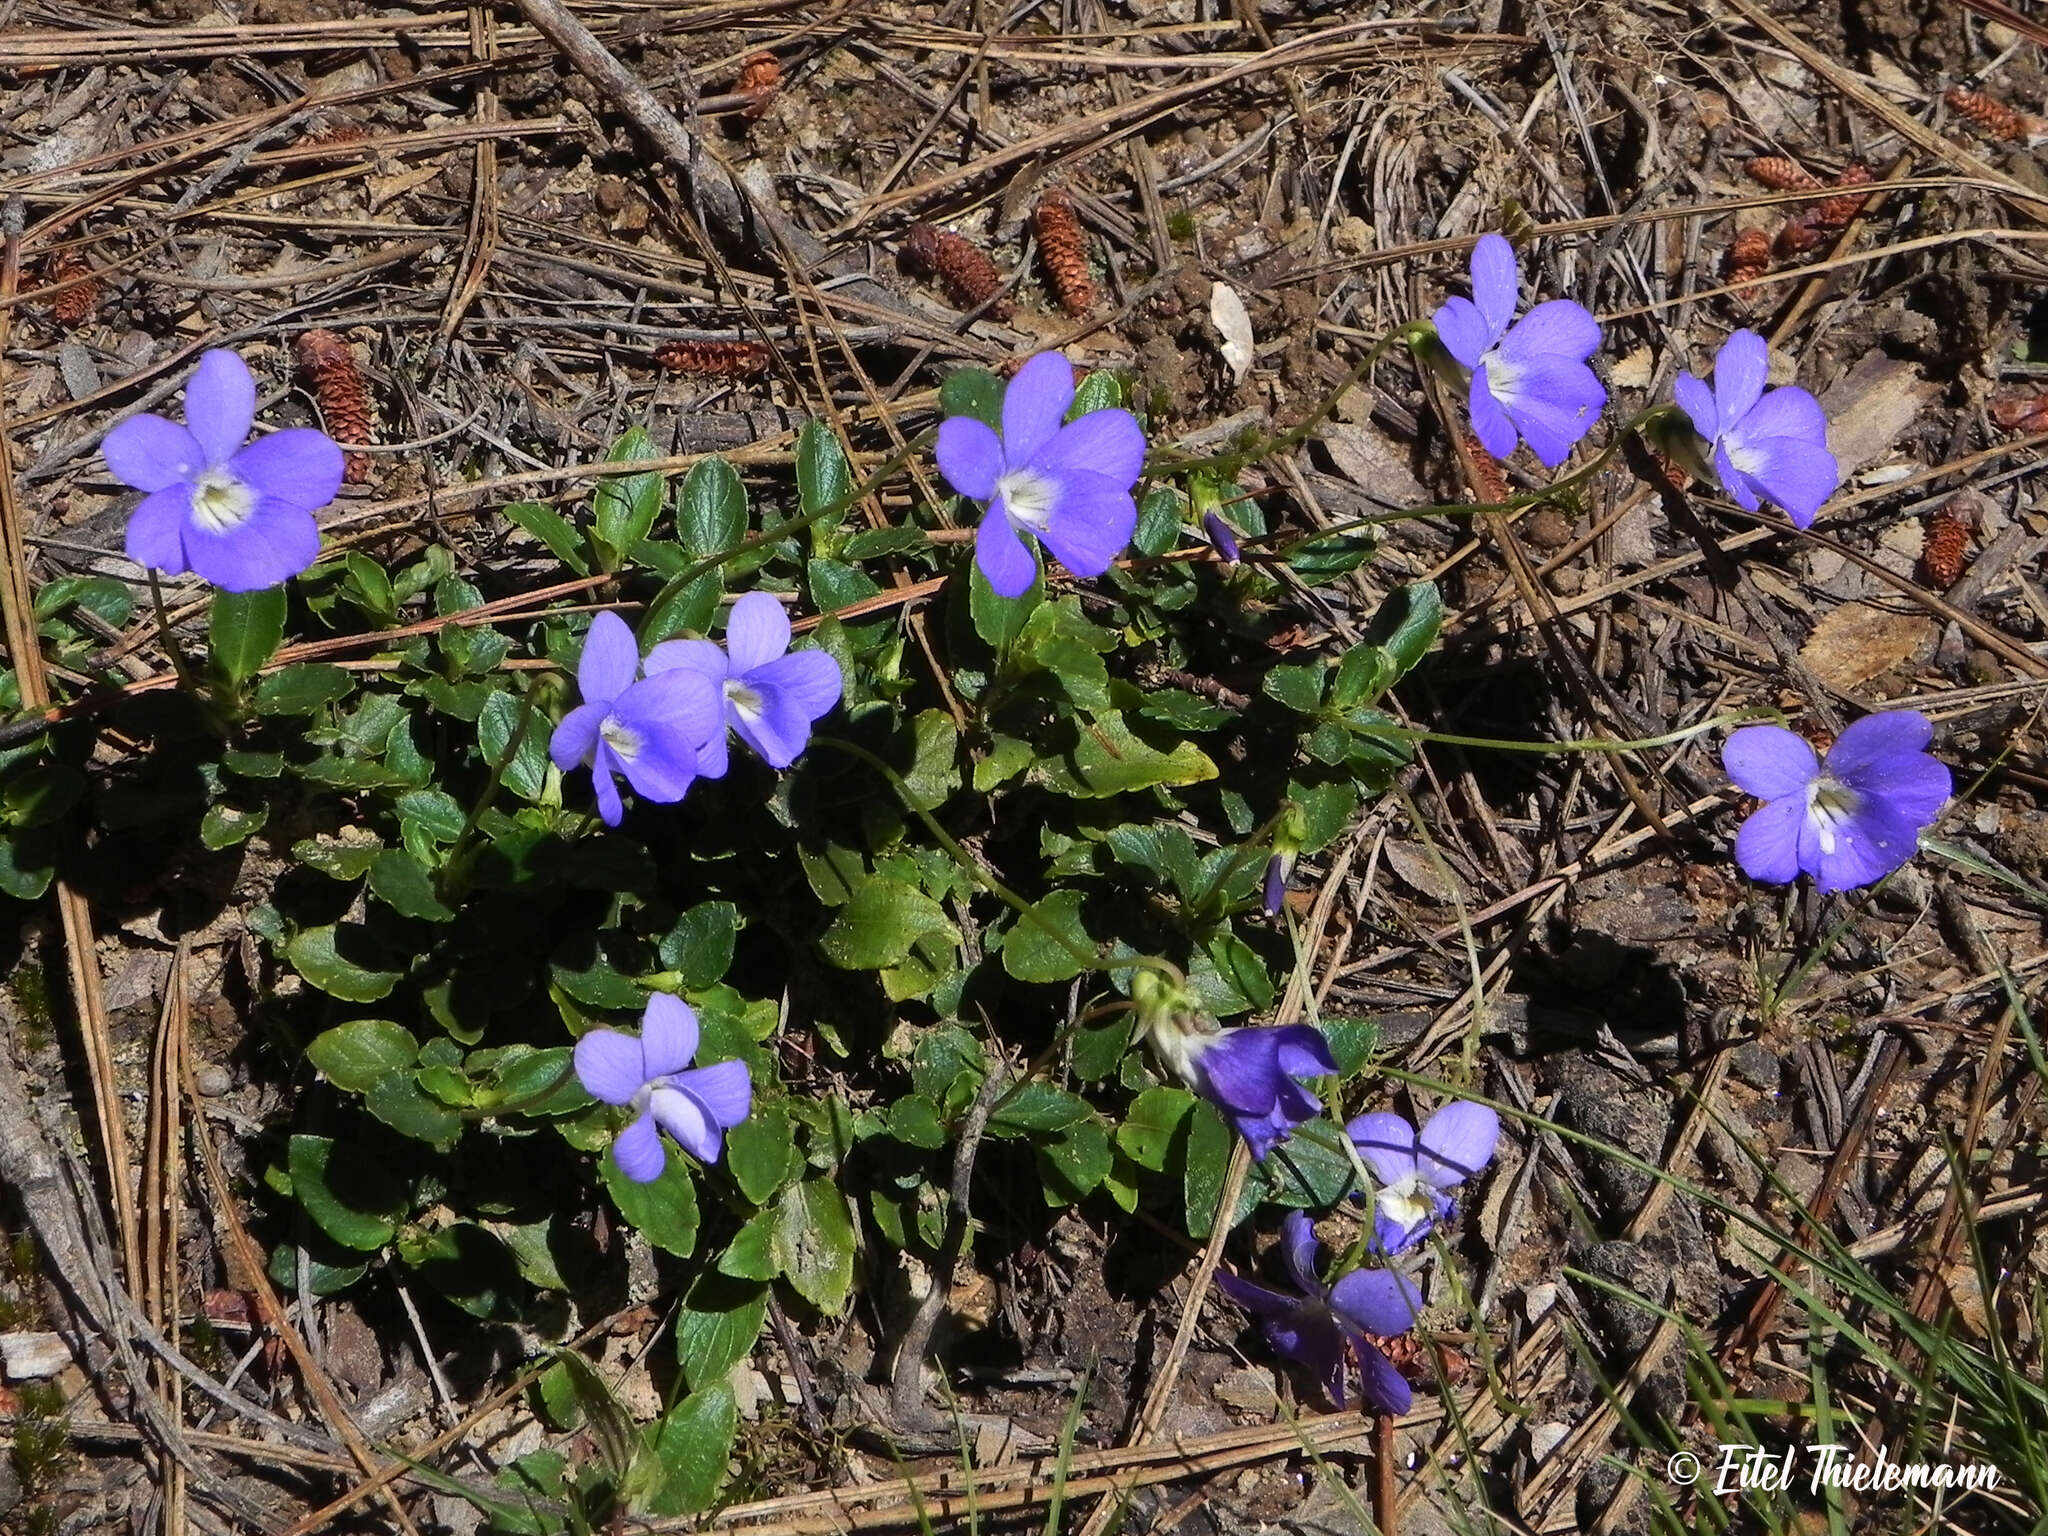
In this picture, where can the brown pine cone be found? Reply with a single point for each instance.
(736, 359)
(969, 277)
(329, 364)
(1749, 256)
(1948, 545)
(1065, 251)
(1782, 174)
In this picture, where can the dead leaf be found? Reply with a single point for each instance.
(1227, 314)
(1425, 873)
(1856, 642)
(1871, 408)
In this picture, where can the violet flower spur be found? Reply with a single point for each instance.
(1847, 819)
(1068, 486)
(769, 697)
(1764, 445)
(1314, 1326)
(649, 730)
(652, 1077)
(239, 514)
(1416, 1173)
(1529, 380)
(1252, 1074)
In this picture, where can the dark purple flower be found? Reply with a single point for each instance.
(1278, 867)
(1221, 538)
(768, 697)
(648, 1075)
(1530, 380)
(240, 516)
(650, 730)
(1848, 819)
(1068, 486)
(1314, 1326)
(1416, 1173)
(1252, 1074)
(1765, 445)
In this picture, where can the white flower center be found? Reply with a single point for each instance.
(1742, 456)
(1180, 1040)
(1028, 498)
(1829, 805)
(220, 502)
(620, 737)
(1503, 379)
(1406, 1201)
(744, 699)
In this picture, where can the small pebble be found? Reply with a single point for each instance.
(212, 1080)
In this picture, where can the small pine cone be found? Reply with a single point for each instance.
(715, 359)
(1993, 117)
(1781, 174)
(760, 76)
(968, 275)
(1948, 545)
(75, 305)
(1749, 256)
(1491, 482)
(1800, 234)
(1065, 250)
(329, 364)
(2023, 412)
(1837, 213)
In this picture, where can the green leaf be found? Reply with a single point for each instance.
(336, 860)
(1300, 688)
(1208, 1161)
(1007, 757)
(1099, 391)
(350, 773)
(341, 962)
(302, 690)
(1074, 1164)
(1035, 1107)
(934, 771)
(716, 1329)
(973, 392)
(354, 1055)
(625, 506)
(1109, 758)
(1146, 1136)
(812, 1243)
(346, 1199)
(253, 765)
(1324, 560)
(1000, 620)
(223, 825)
(1059, 640)
(822, 473)
(368, 587)
(750, 1254)
(244, 632)
(104, 598)
(28, 863)
(527, 772)
(1230, 978)
(1159, 521)
(689, 609)
(761, 1152)
(1032, 953)
(699, 947)
(879, 924)
(553, 530)
(1351, 1041)
(689, 1449)
(913, 1121)
(835, 585)
(397, 1099)
(404, 885)
(665, 1209)
(1363, 673)
(711, 516)
(434, 811)
(873, 543)
(1099, 1050)
(1407, 624)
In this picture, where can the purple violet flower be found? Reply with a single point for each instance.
(1416, 1173)
(1278, 867)
(240, 514)
(1765, 445)
(768, 697)
(1529, 380)
(1221, 538)
(652, 1077)
(1847, 819)
(1068, 486)
(650, 730)
(1314, 1326)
